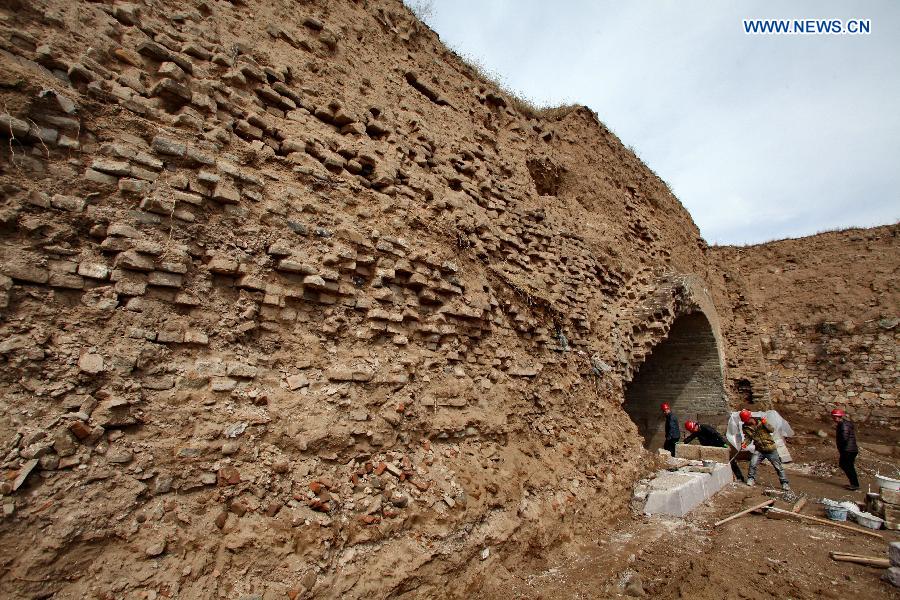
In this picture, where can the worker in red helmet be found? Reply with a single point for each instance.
(673, 433)
(709, 436)
(845, 435)
(760, 434)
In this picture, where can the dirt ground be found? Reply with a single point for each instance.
(751, 557)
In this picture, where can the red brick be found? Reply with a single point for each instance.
(229, 476)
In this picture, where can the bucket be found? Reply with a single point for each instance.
(836, 513)
(870, 521)
(887, 482)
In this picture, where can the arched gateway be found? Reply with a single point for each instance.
(684, 368)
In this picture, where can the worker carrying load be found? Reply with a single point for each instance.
(759, 433)
(709, 436)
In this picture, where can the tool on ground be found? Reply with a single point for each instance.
(869, 561)
(779, 511)
(745, 511)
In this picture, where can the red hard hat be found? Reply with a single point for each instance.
(691, 426)
(665, 406)
(837, 413)
(745, 415)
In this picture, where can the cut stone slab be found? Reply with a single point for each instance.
(688, 451)
(893, 576)
(677, 493)
(721, 455)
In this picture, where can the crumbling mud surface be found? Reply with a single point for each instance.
(294, 303)
(287, 313)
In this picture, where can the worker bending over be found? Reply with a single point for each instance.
(709, 436)
(760, 433)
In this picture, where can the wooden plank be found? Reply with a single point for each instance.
(826, 522)
(744, 512)
(869, 561)
(798, 506)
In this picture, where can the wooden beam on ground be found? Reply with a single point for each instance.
(869, 561)
(825, 522)
(798, 505)
(744, 512)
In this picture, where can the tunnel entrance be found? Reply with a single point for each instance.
(684, 370)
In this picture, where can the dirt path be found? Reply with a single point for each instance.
(750, 558)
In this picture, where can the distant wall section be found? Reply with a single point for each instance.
(815, 368)
(822, 314)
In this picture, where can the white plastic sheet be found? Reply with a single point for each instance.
(782, 429)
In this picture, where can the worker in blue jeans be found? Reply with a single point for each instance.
(760, 433)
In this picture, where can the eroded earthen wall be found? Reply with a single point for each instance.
(292, 300)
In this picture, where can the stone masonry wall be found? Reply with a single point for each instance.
(813, 369)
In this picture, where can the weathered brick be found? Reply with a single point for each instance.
(164, 279)
(236, 369)
(223, 266)
(95, 176)
(168, 146)
(67, 203)
(25, 272)
(193, 336)
(134, 261)
(170, 336)
(223, 384)
(172, 90)
(133, 186)
(119, 168)
(159, 205)
(226, 193)
(314, 282)
(131, 287)
(66, 280)
(290, 265)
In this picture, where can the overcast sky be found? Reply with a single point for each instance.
(760, 136)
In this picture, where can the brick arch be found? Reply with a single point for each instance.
(684, 365)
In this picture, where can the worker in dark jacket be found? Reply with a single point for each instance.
(673, 433)
(760, 434)
(845, 434)
(708, 436)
